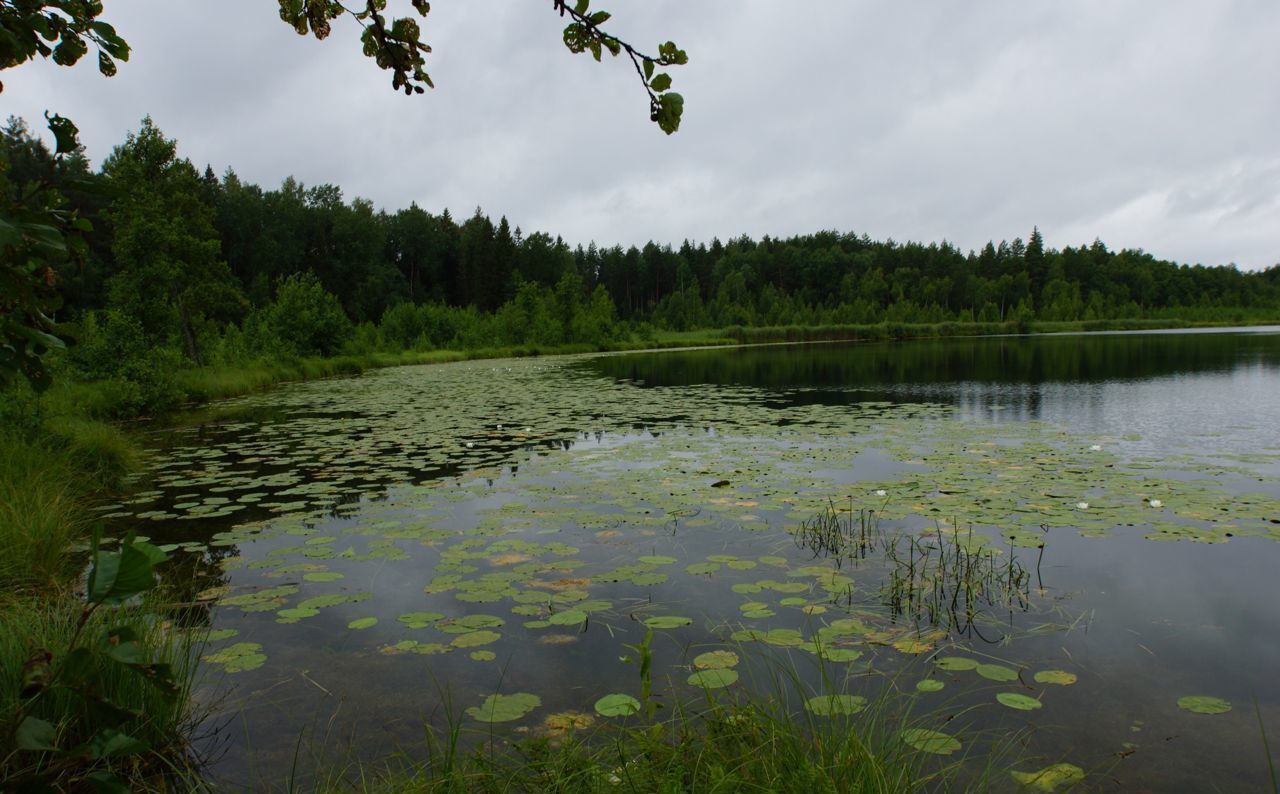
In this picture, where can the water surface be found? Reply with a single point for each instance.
(556, 504)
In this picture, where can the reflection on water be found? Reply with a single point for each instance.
(630, 487)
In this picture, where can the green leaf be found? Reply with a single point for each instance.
(35, 734)
(714, 678)
(107, 782)
(599, 18)
(617, 705)
(670, 109)
(1019, 701)
(927, 741)
(661, 83)
(1051, 777)
(581, 7)
(648, 69)
(828, 705)
(1204, 704)
(505, 708)
(109, 743)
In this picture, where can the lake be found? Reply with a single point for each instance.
(1068, 540)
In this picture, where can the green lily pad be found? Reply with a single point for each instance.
(505, 708)
(239, 658)
(716, 660)
(713, 679)
(700, 568)
(929, 685)
(484, 656)
(996, 672)
(570, 617)
(473, 639)
(1204, 704)
(956, 663)
(362, 623)
(657, 559)
(1051, 777)
(1059, 677)
(419, 620)
(668, 622)
(928, 741)
(1019, 701)
(827, 705)
(617, 705)
(323, 576)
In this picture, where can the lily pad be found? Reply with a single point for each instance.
(713, 679)
(1059, 677)
(996, 672)
(1204, 704)
(1019, 701)
(956, 663)
(668, 622)
(505, 708)
(362, 623)
(617, 705)
(716, 660)
(929, 741)
(929, 685)
(827, 705)
(1051, 777)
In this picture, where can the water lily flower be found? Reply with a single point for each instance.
(1096, 448)
(1156, 503)
(470, 444)
(1082, 505)
(882, 492)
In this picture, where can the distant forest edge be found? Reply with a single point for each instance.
(183, 265)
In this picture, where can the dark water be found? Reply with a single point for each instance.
(404, 476)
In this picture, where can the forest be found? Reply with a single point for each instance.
(185, 268)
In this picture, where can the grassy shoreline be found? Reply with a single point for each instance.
(213, 383)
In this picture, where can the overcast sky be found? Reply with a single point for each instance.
(1152, 125)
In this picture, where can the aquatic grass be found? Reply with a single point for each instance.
(30, 626)
(946, 577)
(42, 512)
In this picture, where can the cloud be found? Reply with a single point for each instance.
(1148, 128)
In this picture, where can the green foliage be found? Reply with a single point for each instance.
(111, 346)
(90, 689)
(41, 514)
(306, 319)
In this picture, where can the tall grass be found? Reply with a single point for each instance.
(42, 511)
(33, 625)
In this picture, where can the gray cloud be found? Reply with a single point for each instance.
(1148, 125)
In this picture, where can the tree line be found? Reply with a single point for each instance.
(213, 266)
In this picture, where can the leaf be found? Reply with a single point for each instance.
(928, 741)
(668, 622)
(617, 705)
(713, 679)
(1019, 701)
(996, 672)
(362, 623)
(648, 69)
(669, 112)
(929, 685)
(35, 734)
(505, 708)
(956, 663)
(827, 705)
(109, 743)
(65, 133)
(1059, 677)
(1051, 777)
(1204, 704)
(661, 83)
(716, 660)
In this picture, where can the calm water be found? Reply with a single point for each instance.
(558, 504)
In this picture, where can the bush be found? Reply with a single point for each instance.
(308, 320)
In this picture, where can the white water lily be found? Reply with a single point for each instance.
(882, 492)
(1082, 505)
(470, 444)
(528, 429)
(1096, 448)
(1156, 503)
